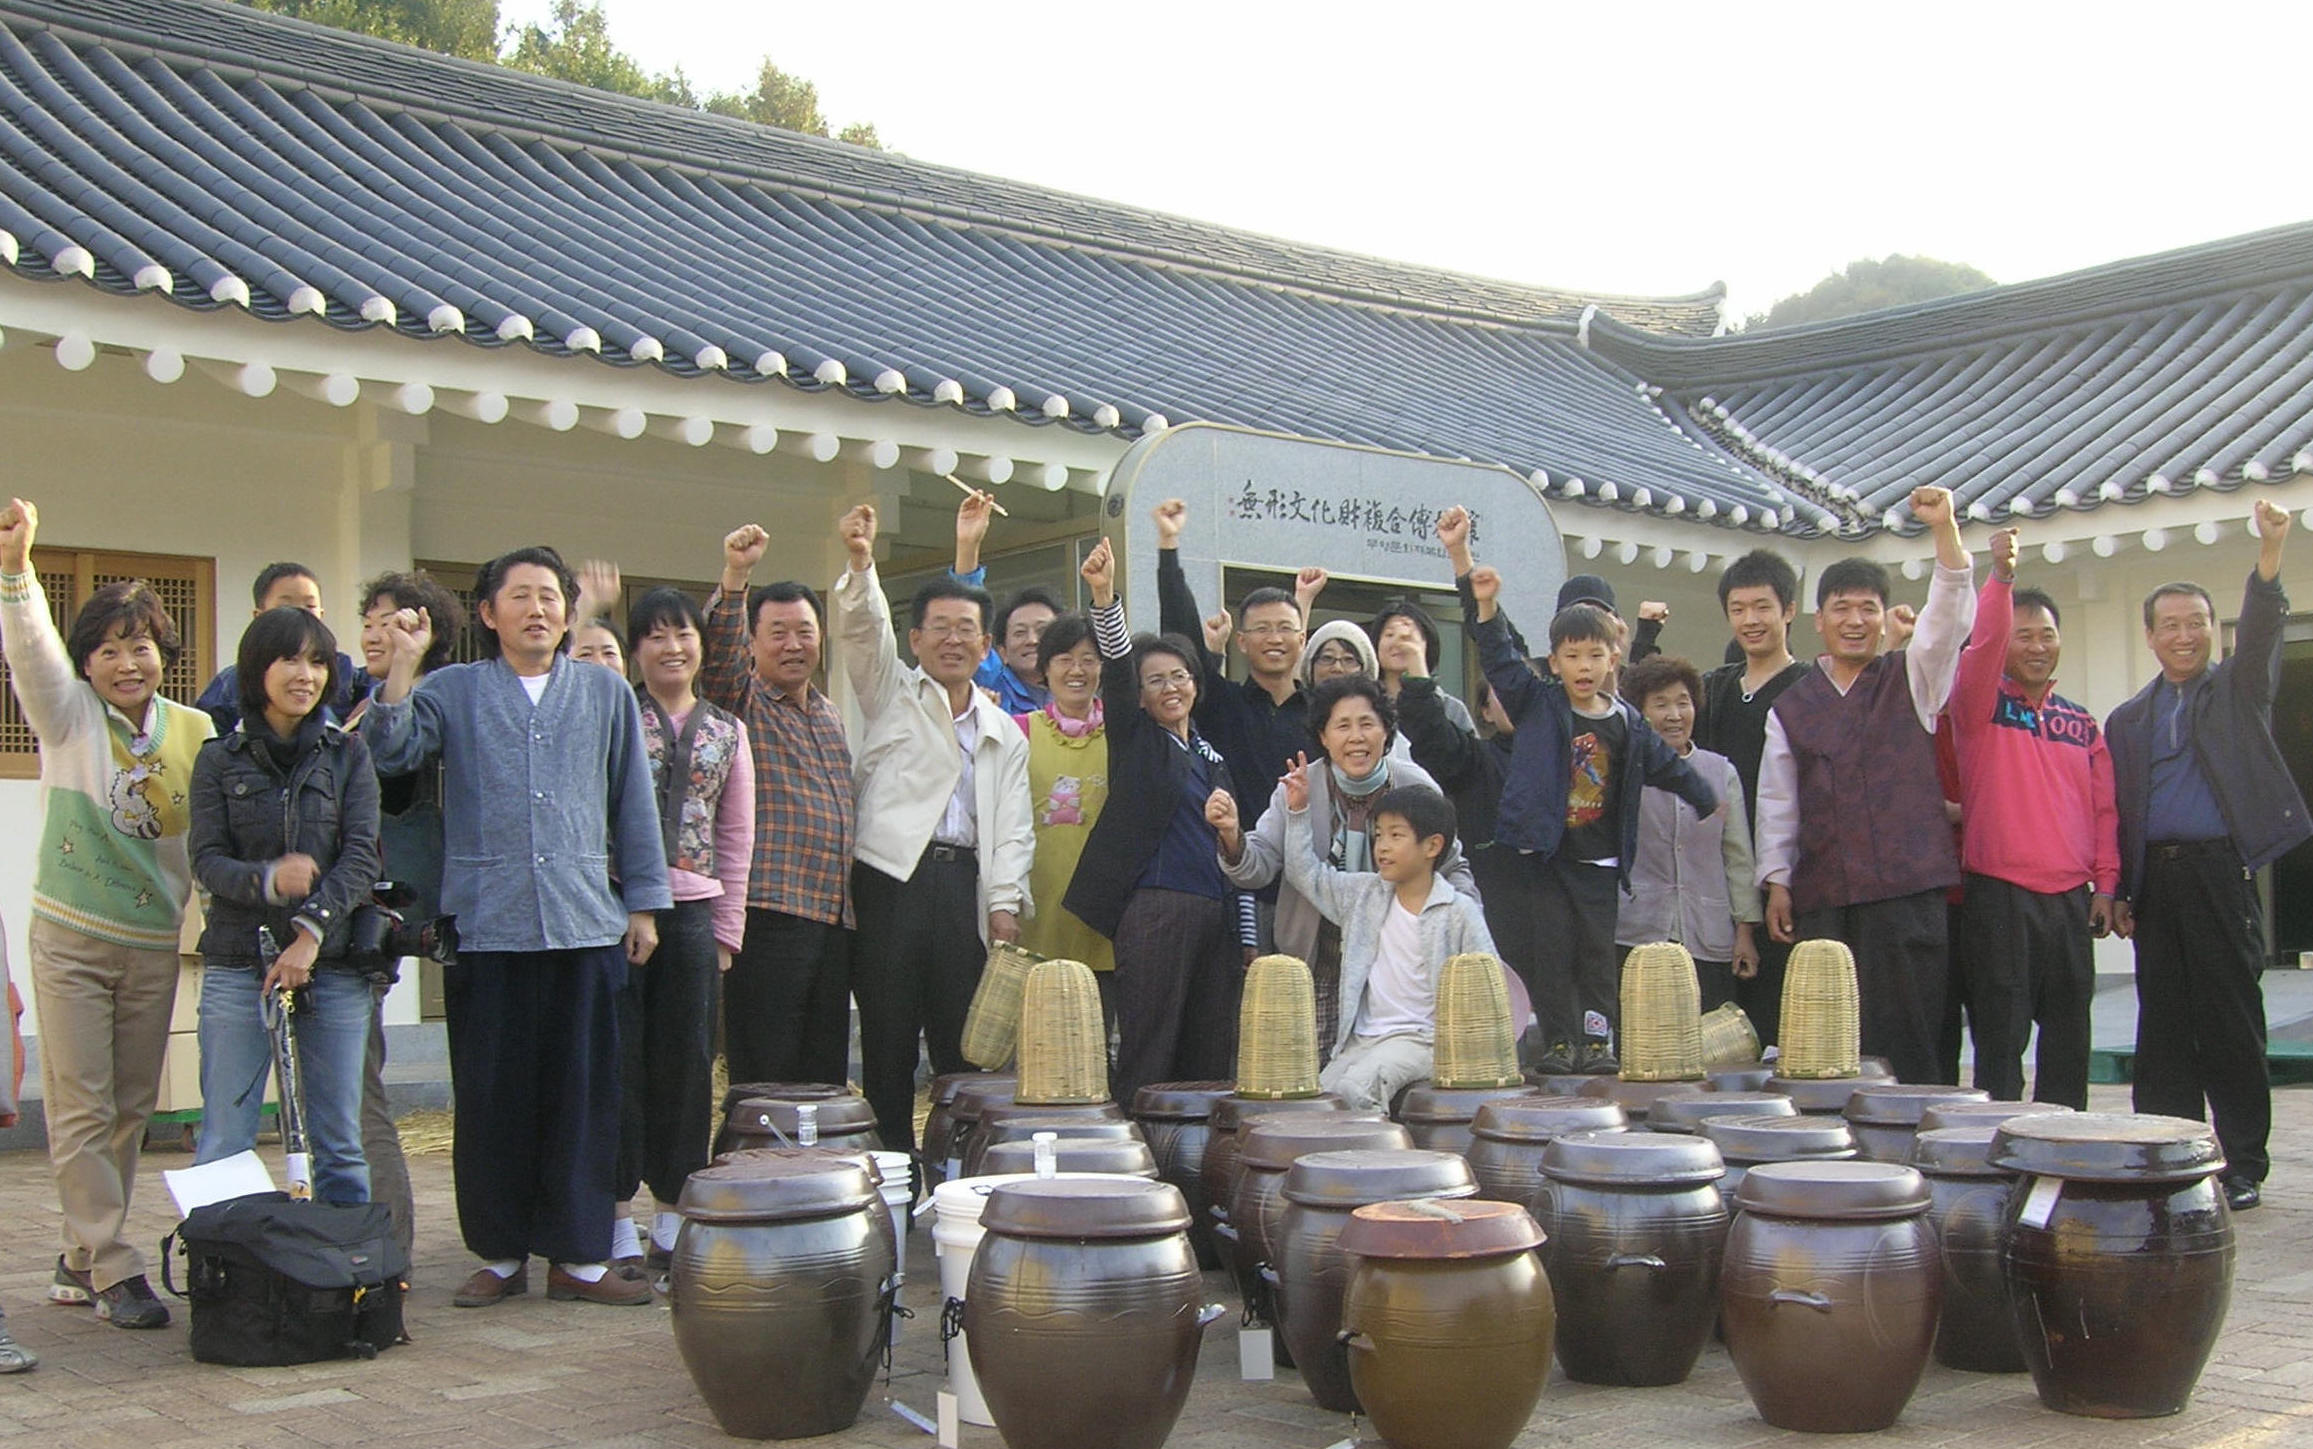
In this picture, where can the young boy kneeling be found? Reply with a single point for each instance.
(1399, 922)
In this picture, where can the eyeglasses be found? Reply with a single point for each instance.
(1269, 631)
(1178, 679)
(953, 629)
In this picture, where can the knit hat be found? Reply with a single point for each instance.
(1587, 589)
(1351, 634)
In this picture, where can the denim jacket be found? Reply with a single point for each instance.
(247, 814)
(538, 802)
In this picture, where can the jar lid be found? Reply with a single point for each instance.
(1352, 1178)
(1230, 1112)
(1179, 1101)
(1632, 1159)
(844, 1116)
(1749, 1077)
(1780, 1139)
(1899, 1104)
(1956, 1151)
(2108, 1147)
(1837, 1190)
(1540, 1119)
(1124, 1156)
(1007, 1127)
(1084, 1208)
(1428, 1228)
(1273, 1142)
(1636, 1099)
(1818, 1094)
(784, 1092)
(976, 1097)
(860, 1156)
(947, 1084)
(1428, 1104)
(1990, 1114)
(1689, 1113)
(777, 1186)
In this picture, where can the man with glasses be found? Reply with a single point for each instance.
(945, 832)
(2205, 802)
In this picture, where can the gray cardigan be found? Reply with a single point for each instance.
(1263, 859)
(540, 804)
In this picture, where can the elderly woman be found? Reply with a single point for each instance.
(1354, 727)
(1067, 789)
(1150, 879)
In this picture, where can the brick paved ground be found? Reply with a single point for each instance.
(534, 1373)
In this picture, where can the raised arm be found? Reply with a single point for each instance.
(42, 672)
(1977, 683)
(2257, 641)
(1332, 890)
(1933, 659)
(1119, 689)
(863, 625)
(727, 665)
(1439, 745)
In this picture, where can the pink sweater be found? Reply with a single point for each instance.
(2036, 796)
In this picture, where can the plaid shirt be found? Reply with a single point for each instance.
(803, 804)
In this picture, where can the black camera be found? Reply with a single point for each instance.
(383, 932)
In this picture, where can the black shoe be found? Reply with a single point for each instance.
(1596, 1060)
(1556, 1062)
(130, 1303)
(70, 1285)
(2241, 1194)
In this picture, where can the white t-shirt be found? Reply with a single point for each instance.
(1399, 998)
(534, 685)
(959, 824)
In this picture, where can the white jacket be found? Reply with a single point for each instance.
(904, 762)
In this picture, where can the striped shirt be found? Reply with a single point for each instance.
(804, 824)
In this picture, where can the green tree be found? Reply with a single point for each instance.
(575, 45)
(1867, 286)
(465, 28)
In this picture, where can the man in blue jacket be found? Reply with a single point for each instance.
(2205, 802)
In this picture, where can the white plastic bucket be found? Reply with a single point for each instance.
(956, 1238)
(894, 1168)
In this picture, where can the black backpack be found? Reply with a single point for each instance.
(274, 1280)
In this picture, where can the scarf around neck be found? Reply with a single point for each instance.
(1075, 729)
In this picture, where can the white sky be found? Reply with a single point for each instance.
(1639, 148)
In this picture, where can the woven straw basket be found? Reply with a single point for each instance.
(1662, 1009)
(1277, 1030)
(1063, 1049)
(1822, 1029)
(1729, 1039)
(992, 1026)
(1475, 1043)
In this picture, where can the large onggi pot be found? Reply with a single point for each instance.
(1745, 1142)
(1439, 1117)
(1968, 1206)
(1635, 1227)
(1321, 1191)
(1266, 1147)
(1176, 1118)
(2119, 1258)
(1830, 1294)
(1688, 1112)
(989, 1129)
(780, 1291)
(1219, 1170)
(1083, 1314)
(940, 1122)
(739, 1092)
(964, 1111)
(1115, 1157)
(1507, 1139)
(845, 1122)
(1448, 1317)
(1885, 1115)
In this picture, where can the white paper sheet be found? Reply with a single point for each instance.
(237, 1176)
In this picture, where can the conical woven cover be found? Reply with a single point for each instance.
(1063, 1049)
(1729, 1039)
(1277, 1030)
(992, 1025)
(1822, 1027)
(1475, 1043)
(1662, 1010)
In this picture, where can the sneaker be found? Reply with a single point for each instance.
(1556, 1062)
(15, 1358)
(613, 1287)
(130, 1303)
(1596, 1060)
(70, 1285)
(2241, 1194)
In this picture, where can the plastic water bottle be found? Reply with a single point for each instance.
(807, 1125)
(1047, 1154)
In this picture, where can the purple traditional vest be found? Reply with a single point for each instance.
(1871, 809)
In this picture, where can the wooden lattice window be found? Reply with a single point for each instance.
(187, 587)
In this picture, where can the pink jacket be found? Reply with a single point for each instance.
(2036, 796)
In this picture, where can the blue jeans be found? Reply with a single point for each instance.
(237, 1056)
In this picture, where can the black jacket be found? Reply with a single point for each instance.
(248, 814)
(1147, 773)
(1257, 736)
(2232, 739)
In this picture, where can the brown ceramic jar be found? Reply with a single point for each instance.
(1818, 1096)
(1322, 1189)
(1983, 1114)
(1749, 1077)
(1968, 1205)
(1119, 1156)
(1082, 1316)
(1439, 1117)
(1688, 1113)
(1266, 1147)
(993, 1114)
(845, 1122)
(1635, 1224)
(781, 1290)
(1636, 1099)
(1831, 1291)
(1507, 1139)
(1219, 1170)
(1176, 1119)
(2119, 1259)
(1885, 1115)
(940, 1122)
(1448, 1318)
(1006, 1127)
(964, 1111)
(738, 1092)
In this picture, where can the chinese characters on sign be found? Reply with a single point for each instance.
(1386, 527)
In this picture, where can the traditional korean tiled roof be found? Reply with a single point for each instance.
(2154, 376)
